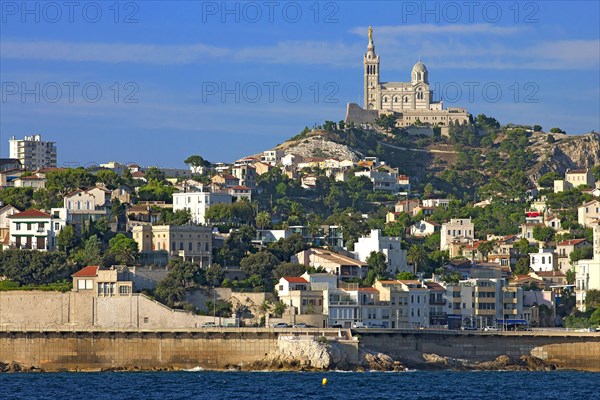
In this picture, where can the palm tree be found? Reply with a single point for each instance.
(417, 255)
(263, 219)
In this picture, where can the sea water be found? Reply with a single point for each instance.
(198, 384)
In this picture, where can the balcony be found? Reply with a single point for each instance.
(437, 302)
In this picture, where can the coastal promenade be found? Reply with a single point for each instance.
(91, 348)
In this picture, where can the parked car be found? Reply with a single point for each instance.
(280, 325)
(468, 328)
(359, 324)
(300, 325)
(336, 326)
(490, 329)
(209, 325)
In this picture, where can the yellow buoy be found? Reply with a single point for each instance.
(324, 381)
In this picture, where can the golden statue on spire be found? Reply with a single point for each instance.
(370, 34)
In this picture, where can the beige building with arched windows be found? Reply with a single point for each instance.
(411, 102)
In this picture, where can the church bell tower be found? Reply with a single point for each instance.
(371, 63)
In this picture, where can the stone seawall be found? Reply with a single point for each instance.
(54, 351)
(233, 347)
(571, 350)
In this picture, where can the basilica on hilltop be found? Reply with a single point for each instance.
(410, 102)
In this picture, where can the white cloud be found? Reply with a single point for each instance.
(387, 31)
(448, 52)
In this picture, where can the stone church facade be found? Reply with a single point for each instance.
(411, 102)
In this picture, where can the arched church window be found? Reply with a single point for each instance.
(396, 99)
(385, 99)
(406, 99)
(418, 76)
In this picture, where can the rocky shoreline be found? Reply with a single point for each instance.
(321, 355)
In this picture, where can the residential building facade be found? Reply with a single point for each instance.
(32, 152)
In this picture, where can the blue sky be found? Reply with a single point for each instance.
(152, 82)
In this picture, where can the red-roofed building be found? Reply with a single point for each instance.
(98, 282)
(240, 192)
(225, 180)
(296, 293)
(565, 248)
(34, 230)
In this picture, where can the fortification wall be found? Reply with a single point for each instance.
(39, 310)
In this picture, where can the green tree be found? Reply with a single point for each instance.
(288, 269)
(180, 217)
(214, 275)
(592, 299)
(417, 255)
(33, 267)
(570, 275)
(196, 162)
(63, 181)
(284, 249)
(279, 308)
(262, 263)
(547, 180)
(537, 128)
(486, 248)
(169, 291)
(595, 318)
(377, 262)
(154, 174)
(405, 276)
(186, 273)
(596, 172)
(522, 246)
(109, 178)
(543, 233)
(66, 239)
(583, 253)
(522, 267)
(17, 197)
(124, 249)
(556, 130)
(263, 219)
(220, 213)
(91, 253)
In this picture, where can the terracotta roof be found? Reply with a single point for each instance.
(49, 169)
(31, 213)
(578, 171)
(432, 223)
(295, 279)
(368, 289)
(571, 242)
(240, 188)
(90, 270)
(550, 273)
(31, 177)
(229, 177)
(137, 174)
(434, 286)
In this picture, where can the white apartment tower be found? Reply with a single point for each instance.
(33, 152)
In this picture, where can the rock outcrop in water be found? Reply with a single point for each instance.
(14, 366)
(503, 362)
(319, 355)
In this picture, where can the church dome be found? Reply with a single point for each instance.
(419, 67)
(419, 73)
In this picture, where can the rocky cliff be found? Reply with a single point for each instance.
(568, 152)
